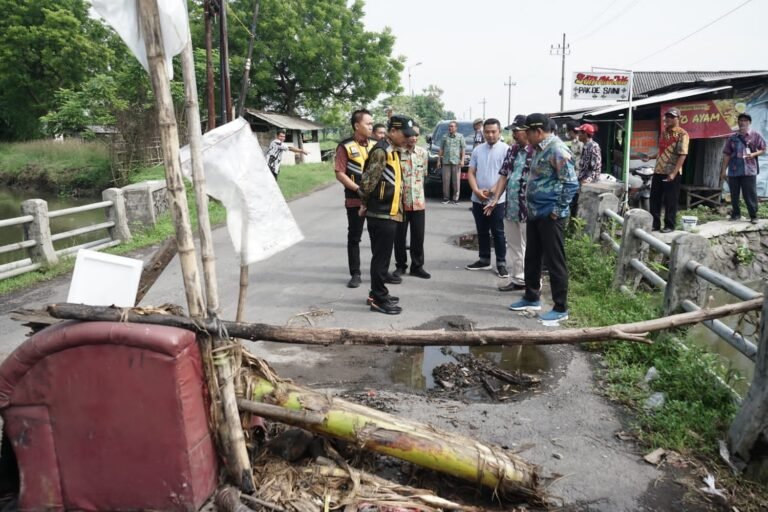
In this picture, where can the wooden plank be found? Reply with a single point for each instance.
(152, 270)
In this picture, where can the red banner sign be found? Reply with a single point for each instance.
(707, 119)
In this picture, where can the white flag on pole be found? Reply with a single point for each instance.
(123, 16)
(236, 174)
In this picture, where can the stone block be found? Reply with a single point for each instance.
(145, 201)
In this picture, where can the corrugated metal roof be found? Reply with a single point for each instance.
(647, 81)
(660, 98)
(285, 121)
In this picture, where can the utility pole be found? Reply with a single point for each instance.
(226, 94)
(563, 50)
(210, 8)
(247, 70)
(483, 104)
(509, 85)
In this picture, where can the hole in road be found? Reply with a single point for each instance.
(473, 373)
(466, 241)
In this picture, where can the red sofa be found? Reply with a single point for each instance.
(109, 416)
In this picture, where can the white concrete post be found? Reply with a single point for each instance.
(39, 230)
(631, 246)
(117, 214)
(682, 283)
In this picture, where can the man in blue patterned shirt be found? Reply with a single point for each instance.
(552, 184)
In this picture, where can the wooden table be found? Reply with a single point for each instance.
(695, 195)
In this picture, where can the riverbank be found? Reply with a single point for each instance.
(72, 167)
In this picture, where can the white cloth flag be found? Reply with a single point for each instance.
(123, 16)
(236, 174)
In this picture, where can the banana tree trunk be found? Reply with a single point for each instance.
(420, 444)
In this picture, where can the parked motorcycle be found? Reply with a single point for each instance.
(640, 187)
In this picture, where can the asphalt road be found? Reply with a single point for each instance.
(567, 427)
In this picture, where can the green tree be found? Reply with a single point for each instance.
(45, 45)
(309, 54)
(426, 108)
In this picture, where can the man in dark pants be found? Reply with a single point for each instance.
(351, 154)
(665, 184)
(414, 160)
(381, 193)
(740, 161)
(552, 183)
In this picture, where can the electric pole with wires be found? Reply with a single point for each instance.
(563, 50)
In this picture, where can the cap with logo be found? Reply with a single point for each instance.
(403, 123)
(518, 123)
(673, 112)
(586, 128)
(534, 121)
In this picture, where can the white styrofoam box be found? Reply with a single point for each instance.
(103, 279)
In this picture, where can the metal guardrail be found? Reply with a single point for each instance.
(27, 264)
(735, 288)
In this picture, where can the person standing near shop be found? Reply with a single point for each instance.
(590, 162)
(450, 159)
(414, 161)
(514, 179)
(381, 194)
(740, 161)
(665, 184)
(484, 167)
(552, 184)
(351, 154)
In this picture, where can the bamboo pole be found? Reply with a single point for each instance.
(635, 332)
(231, 438)
(421, 444)
(169, 138)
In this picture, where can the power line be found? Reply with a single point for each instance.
(692, 33)
(614, 18)
(595, 20)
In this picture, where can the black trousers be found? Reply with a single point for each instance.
(574, 207)
(665, 193)
(487, 226)
(748, 186)
(416, 220)
(382, 233)
(545, 243)
(355, 225)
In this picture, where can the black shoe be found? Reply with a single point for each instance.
(398, 272)
(502, 271)
(479, 265)
(753, 221)
(667, 230)
(354, 281)
(656, 229)
(512, 287)
(390, 298)
(386, 307)
(444, 201)
(392, 278)
(420, 272)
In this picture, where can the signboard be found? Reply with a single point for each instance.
(597, 86)
(706, 119)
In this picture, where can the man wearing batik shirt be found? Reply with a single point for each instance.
(552, 182)
(590, 162)
(665, 184)
(740, 160)
(514, 178)
(413, 160)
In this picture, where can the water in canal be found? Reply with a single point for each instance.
(10, 206)
(729, 356)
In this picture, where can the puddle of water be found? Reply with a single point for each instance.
(414, 369)
(729, 356)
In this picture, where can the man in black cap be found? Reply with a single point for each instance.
(740, 160)
(665, 185)
(552, 184)
(381, 194)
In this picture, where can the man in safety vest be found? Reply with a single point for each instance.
(381, 194)
(351, 154)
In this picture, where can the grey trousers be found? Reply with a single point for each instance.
(451, 178)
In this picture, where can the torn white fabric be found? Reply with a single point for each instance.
(236, 174)
(123, 16)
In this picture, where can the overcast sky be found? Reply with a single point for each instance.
(470, 48)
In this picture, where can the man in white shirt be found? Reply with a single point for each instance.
(484, 166)
(275, 152)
